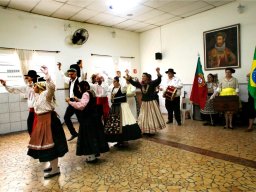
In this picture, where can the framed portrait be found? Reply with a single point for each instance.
(222, 48)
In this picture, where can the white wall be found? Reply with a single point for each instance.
(28, 31)
(183, 40)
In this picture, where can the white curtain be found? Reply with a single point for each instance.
(25, 57)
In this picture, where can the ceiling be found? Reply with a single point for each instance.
(146, 15)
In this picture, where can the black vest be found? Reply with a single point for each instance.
(90, 108)
(76, 91)
(119, 97)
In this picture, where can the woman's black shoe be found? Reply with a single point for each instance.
(92, 161)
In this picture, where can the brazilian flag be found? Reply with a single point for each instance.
(252, 79)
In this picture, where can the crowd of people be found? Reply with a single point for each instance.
(106, 110)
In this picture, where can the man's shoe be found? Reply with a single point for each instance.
(168, 122)
(179, 123)
(72, 137)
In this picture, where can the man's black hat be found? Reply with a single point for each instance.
(171, 71)
(72, 70)
(32, 74)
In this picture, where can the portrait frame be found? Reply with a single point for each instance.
(222, 48)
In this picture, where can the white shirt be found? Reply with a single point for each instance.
(175, 82)
(100, 90)
(26, 91)
(68, 79)
(44, 101)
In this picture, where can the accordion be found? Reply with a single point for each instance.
(170, 92)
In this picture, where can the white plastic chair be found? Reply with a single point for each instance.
(186, 106)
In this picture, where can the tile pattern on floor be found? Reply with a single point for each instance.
(144, 166)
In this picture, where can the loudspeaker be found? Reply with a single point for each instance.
(158, 56)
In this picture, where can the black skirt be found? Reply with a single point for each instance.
(60, 143)
(91, 138)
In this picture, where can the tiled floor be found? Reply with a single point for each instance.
(180, 158)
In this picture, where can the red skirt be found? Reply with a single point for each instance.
(41, 137)
(104, 102)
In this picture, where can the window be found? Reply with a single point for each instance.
(125, 63)
(103, 65)
(43, 58)
(14, 62)
(10, 69)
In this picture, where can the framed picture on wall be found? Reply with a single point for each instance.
(222, 48)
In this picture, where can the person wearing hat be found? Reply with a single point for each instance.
(47, 142)
(172, 92)
(79, 69)
(228, 86)
(74, 92)
(28, 92)
(150, 118)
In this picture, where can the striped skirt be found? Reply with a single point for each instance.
(150, 119)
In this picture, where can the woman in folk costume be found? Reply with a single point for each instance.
(121, 125)
(227, 87)
(130, 96)
(28, 93)
(91, 140)
(209, 108)
(48, 141)
(150, 119)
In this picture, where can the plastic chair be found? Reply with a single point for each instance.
(186, 106)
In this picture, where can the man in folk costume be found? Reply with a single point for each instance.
(28, 93)
(79, 69)
(101, 89)
(172, 96)
(73, 82)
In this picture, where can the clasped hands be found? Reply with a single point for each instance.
(68, 99)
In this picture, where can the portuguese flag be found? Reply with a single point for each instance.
(252, 79)
(199, 90)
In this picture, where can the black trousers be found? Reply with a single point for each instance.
(70, 111)
(173, 106)
(30, 121)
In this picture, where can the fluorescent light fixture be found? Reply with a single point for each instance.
(122, 6)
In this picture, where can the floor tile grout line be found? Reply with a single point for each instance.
(217, 155)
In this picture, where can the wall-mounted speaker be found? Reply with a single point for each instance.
(158, 56)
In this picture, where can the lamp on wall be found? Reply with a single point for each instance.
(240, 8)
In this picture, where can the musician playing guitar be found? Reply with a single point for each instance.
(172, 92)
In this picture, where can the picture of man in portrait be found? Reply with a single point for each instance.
(220, 55)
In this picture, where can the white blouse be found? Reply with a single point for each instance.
(44, 101)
